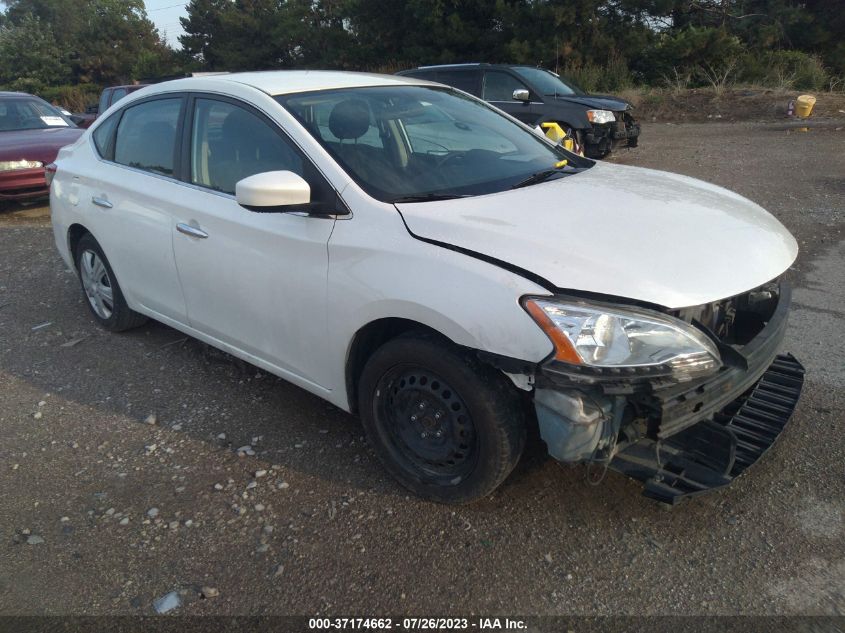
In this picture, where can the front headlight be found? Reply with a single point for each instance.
(600, 116)
(11, 165)
(602, 337)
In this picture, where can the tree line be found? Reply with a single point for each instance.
(604, 44)
(50, 43)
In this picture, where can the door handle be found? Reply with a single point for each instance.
(191, 231)
(102, 202)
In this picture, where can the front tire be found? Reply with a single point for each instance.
(446, 426)
(99, 284)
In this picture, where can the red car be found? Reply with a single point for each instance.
(31, 134)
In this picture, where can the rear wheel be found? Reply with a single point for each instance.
(101, 289)
(443, 424)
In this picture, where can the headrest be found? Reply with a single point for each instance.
(237, 123)
(350, 119)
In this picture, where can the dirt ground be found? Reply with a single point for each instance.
(697, 105)
(103, 513)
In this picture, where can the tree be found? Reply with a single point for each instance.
(205, 39)
(30, 57)
(88, 41)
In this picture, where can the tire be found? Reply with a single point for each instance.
(446, 426)
(101, 290)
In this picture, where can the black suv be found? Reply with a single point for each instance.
(598, 123)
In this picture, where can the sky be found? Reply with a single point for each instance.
(165, 14)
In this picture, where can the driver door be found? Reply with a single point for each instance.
(253, 281)
(498, 87)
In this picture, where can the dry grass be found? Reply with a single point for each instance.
(746, 103)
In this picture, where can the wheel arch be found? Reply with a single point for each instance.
(75, 233)
(369, 338)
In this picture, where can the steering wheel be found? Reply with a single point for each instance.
(448, 158)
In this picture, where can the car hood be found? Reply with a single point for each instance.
(42, 144)
(622, 231)
(597, 102)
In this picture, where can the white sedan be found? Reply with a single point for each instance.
(416, 256)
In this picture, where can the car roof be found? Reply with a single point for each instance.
(17, 94)
(468, 65)
(279, 82)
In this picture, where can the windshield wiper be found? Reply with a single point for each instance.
(428, 197)
(542, 176)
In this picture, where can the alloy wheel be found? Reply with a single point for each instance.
(96, 283)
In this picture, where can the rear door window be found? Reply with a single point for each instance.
(466, 80)
(146, 136)
(104, 137)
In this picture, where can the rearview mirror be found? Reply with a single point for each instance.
(271, 190)
(521, 94)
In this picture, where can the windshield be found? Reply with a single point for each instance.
(546, 82)
(404, 142)
(18, 113)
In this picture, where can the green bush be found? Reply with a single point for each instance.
(585, 75)
(785, 69)
(703, 54)
(610, 77)
(617, 75)
(73, 98)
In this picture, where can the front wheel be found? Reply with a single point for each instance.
(446, 426)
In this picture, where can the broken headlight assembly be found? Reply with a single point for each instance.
(600, 116)
(617, 339)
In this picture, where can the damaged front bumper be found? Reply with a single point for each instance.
(603, 137)
(680, 439)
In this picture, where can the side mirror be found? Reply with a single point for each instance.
(521, 94)
(271, 190)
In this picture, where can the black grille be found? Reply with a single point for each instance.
(735, 320)
(710, 454)
(757, 420)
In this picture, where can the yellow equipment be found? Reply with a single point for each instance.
(804, 106)
(558, 135)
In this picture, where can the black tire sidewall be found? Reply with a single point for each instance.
(493, 407)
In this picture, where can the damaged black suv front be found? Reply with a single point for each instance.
(684, 400)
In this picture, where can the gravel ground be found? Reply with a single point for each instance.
(102, 512)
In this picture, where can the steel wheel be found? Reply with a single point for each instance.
(97, 284)
(444, 424)
(428, 423)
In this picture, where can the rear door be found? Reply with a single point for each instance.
(498, 87)
(466, 80)
(254, 281)
(128, 197)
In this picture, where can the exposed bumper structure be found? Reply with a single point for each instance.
(713, 452)
(601, 138)
(681, 438)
